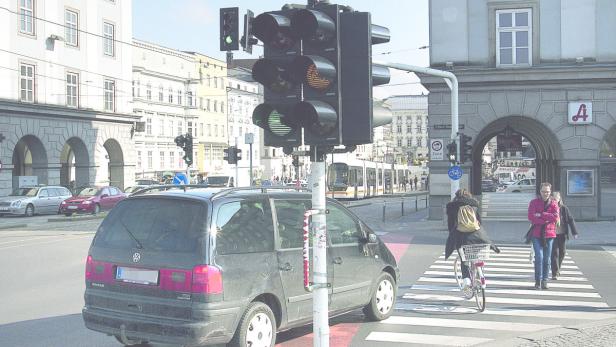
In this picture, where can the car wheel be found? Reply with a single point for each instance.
(131, 342)
(381, 304)
(68, 214)
(29, 210)
(97, 209)
(256, 328)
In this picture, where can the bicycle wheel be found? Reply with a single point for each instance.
(457, 271)
(480, 293)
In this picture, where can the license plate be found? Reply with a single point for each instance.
(4, 208)
(72, 207)
(140, 276)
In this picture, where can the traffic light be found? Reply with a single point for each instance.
(237, 154)
(229, 29)
(226, 156)
(188, 149)
(296, 160)
(179, 141)
(280, 47)
(232, 155)
(359, 114)
(452, 152)
(465, 148)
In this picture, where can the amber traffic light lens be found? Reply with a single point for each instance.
(314, 79)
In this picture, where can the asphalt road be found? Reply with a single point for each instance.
(41, 295)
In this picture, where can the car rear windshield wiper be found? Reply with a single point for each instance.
(139, 245)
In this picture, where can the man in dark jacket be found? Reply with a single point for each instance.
(565, 225)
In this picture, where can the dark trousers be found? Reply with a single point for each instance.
(465, 271)
(558, 253)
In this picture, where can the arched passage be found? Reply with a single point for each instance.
(30, 159)
(115, 164)
(546, 145)
(607, 176)
(75, 162)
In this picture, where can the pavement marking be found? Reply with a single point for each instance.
(509, 283)
(43, 243)
(502, 255)
(489, 263)
(518, 301)
(34, 238)
(506, 275)
(565, 314)
(509, 291)
(489, 269)
(467, 324)
(610, 250)
(492, 259)
(426, 339)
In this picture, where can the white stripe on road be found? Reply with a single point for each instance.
(508, 283)
(425, 339)
(43, 243)
(513, 257)
(528, 265)
(506, 275)
(518, 301)
(468, 324)
(492, 260)
(488, 269)
(510, 291)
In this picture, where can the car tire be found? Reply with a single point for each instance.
(29, 210)
(383, 298)
(131, 342)
(256, 326)
(97, 209)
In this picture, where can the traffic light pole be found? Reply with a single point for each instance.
(452, 83)
(237, 184)
(320, 286)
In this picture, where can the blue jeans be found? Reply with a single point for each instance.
(542, 258)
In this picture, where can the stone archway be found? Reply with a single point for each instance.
(115, 163)
(30, 159)
(544, 142)
(607, 174)
(75, 163)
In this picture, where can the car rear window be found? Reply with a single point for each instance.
(160, 224)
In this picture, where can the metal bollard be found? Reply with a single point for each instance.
(416, 204)
(402, 203)
(383, 210)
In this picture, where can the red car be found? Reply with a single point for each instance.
(92, 200)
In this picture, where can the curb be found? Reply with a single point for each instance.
(13, 226)
(550, 333)
(76, 219)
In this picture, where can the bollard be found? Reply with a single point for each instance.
(383, 210)
(402, 203)
(416, 204)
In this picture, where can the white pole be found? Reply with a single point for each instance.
(237, 183)
(320, 293)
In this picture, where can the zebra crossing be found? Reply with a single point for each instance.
(433, 311)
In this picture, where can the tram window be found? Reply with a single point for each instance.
(380, 175)
(352, 177)
(360, 177)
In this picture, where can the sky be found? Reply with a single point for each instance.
(193, 25)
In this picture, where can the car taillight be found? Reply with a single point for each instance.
(89, 267)
(479, 263)
(206, 279)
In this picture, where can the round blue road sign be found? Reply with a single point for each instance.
(455, 172)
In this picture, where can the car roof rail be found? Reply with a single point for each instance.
(165, 187)
(263, 190)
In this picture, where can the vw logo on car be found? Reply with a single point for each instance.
(136, 257)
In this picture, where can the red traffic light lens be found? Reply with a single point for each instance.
(313, 25)
(273, 29)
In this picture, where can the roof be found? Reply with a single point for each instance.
(407, 102)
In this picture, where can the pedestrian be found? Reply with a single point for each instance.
(415, 180)
(458, 238)
(543, 213)
(566, 224)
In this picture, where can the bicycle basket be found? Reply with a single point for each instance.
(475, 252)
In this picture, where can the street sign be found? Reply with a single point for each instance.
(180, 178)
(455, 172)
(249, 138)
(436, 149)
(580, 113)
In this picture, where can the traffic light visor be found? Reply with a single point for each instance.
(317, 72)
(320, 117)
(313, 25)
(268, 118)
(273, 29)
(272, 75)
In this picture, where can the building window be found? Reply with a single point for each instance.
(200, 103)
(170, 96)
(215, 129)
(399, 128)
(207, 103)
(139, 159)
(222, 107)
(190, 127)
(162, 159)
(209, 130)
(209, 81)
(109, 39)
(149, 159)
(179, 97)
(171, 160)
(148, 126)
(70, 28)
(513, 36)
(408, 128)
(180, 127)
(161, 124)
(26, 82)
(72, 89)
(215, 105)
(409, 142)
(171, 127)
(222, 131)
(26, 16)
(241, 132)
(189, 99)
(148, 91)
(399, 142)
(160, 93)
(215, 82)
(109, 95)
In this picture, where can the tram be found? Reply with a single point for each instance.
(359, 179)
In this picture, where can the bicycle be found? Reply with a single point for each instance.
(474, 256)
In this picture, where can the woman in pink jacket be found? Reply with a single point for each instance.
(543, 213)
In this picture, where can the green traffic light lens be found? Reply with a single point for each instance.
(274, 122)
(229, 40)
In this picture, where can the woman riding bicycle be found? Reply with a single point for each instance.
(456, 238)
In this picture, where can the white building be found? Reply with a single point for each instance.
(243, 98)
(409, 126)
(163, 92)
(65, 111)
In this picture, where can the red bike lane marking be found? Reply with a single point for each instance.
(341, 335)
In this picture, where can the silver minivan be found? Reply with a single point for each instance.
(29, 201)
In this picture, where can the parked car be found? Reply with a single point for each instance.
(488, 186)
(526, 185)
(130, 190)
(92, 200)
(219, 181)
(209, 266)
(146, 181)
(34, 200)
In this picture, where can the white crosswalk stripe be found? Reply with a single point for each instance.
(434, 312)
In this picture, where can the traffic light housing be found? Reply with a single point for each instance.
(452, 152)
(465, 148)
(229, 29)
(226, 156)
(188, 149)
(232, 154)
(237, 154)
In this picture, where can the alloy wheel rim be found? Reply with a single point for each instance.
(385, 296)
(260, 331)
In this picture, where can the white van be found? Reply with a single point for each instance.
(219, 181)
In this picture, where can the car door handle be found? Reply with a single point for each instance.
(286, 267)
(338, 260)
